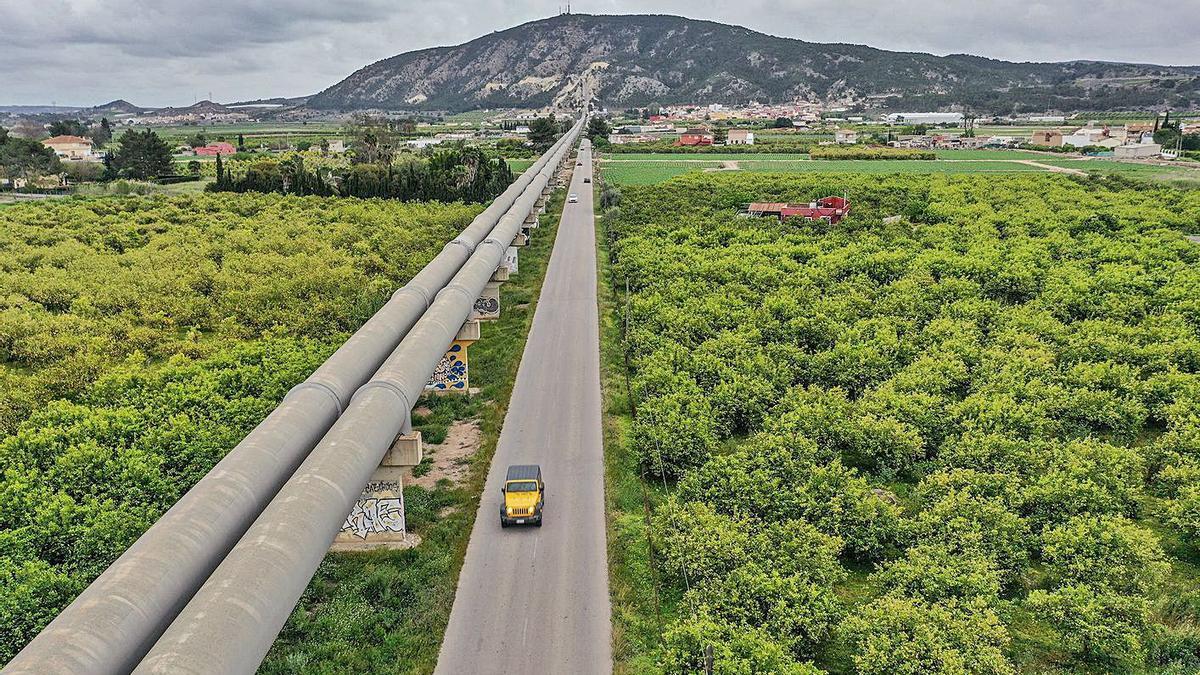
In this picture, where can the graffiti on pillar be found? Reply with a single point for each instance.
(510, 259)
(379, 509)
(485, 307)
(451, 372)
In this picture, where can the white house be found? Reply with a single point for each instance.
(1084, 137)
(739, 137)
(845, 137)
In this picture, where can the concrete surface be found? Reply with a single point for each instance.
(536, 599)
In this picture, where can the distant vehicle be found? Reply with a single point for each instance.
(572, 198)
(524, 496)
(587, 179)
(579, 164)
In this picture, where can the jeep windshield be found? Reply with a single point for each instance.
(523, 486)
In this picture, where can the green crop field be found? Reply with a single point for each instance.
(644, 169)
(963, 442)
(142, 337)
(989, 154)
(1157, 172)
(655, 170)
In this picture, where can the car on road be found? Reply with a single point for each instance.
(524, 496)
(587, 179)
(573, 198)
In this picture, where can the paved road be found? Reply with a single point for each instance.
(536, 599)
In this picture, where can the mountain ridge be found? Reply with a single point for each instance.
(636, 60)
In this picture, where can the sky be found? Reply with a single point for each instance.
(175, 52)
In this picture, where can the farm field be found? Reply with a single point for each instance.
(645, 169)
(142, 337)
(963, 442)
(656, 170)
(518, 166)
(1156, 172)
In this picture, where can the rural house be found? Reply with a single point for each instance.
(845, 137)
(218, 148)
(73, 148)
(739, 137)
(1048, 137)
(696, 136)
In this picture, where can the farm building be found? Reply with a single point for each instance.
(1048, 137)
(831, 209)
(696, 136)
(1134, 150)
(218, 148)
(740, 137)
(845, 137)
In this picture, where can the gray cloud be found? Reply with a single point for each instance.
(171, 52)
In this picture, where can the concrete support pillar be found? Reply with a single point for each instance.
(510, 260)
(522, 239)
(487, 305)
(451, 376)
(377, 519)
(531, 221)
(501, 274)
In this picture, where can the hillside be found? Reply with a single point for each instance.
(637, 60)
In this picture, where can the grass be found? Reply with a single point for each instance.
(518, 166)
(386, 611)
(1183, 175)
(640, 604)
(658, 170)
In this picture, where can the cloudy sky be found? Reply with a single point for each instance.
(174, 52)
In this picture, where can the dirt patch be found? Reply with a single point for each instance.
(726, 166)
(1051, 167)
(451, 458)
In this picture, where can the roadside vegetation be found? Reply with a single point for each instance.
(142, 338)
(964, 442)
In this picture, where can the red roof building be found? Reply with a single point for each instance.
(219, 148)
(831, 209)
(695, 137)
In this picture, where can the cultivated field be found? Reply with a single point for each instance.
(963, 442)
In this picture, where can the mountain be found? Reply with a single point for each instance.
(643, 59)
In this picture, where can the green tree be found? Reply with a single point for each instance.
(783, 123)
(1097, 625)
(23, 158)
(904, 636)
(598, 128)
(102, 133)
(1105, 552)
(142, 155)
(67, 128)
(542, 133)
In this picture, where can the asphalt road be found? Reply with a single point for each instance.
(536, 599)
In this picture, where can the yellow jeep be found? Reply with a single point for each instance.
(524, 496)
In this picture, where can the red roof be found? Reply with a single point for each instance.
(832, 208)
(694, 139)
(219, 148)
